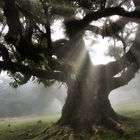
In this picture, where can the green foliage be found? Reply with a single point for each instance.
(46, 83)
(19, 79)
(44, 61)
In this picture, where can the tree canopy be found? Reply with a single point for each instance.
(27, 46)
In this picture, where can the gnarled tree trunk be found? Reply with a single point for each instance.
(87, 103)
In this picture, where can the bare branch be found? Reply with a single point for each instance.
(132, 56)
(125, 77)
(109, 30)
(117, 66)
(79, 25)
(46, 9)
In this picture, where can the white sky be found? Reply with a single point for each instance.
(57, 30)
(97, 51)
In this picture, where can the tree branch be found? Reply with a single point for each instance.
(126, 76)
(109, 30)
(12, 17)
(16, 67)
(109, 12)
(79, 25)
(132, 56)
(117, 66)
(115, 27)
(4, 53)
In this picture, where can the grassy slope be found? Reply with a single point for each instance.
(28, 128)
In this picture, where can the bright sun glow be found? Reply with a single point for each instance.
(97, 50)
(98, 56)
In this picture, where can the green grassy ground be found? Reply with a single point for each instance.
(131, 110)
(29, 127)
(24, 128)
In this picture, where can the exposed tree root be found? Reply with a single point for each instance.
(57, 132)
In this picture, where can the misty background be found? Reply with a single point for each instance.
(35, 99)
(30, 98)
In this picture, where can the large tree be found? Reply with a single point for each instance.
(27, 51)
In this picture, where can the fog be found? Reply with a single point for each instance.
(30, 99)
(128, 95)
(35, 99)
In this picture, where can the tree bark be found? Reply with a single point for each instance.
(87, 103)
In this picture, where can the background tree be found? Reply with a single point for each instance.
(27, 50)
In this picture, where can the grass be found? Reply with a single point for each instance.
(131, 110)
(24, 128)
(29, 127)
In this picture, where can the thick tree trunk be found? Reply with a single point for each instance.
(87, 102)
